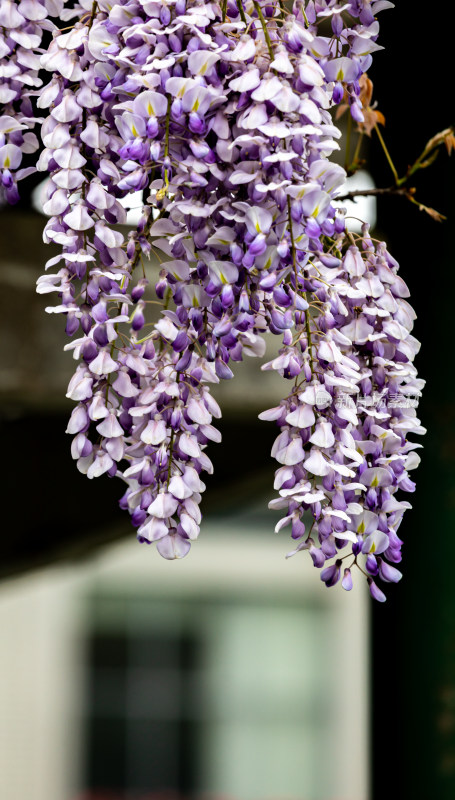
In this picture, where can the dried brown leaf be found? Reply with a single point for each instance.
(450, 142)
(371, 115)
(372, 118)
(443, 137)
(436, 215)
(341, 110)
(366, 90)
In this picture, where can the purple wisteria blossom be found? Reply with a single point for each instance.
(220, 114)
(343, 444)
(22, 26)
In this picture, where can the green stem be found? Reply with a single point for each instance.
(224, 10)
(167, 298)
(93, 13)
(166, 140)
(108, 382)
(387, 154)
(241, 11)
(310, 347)
(264, 28)
(294, 263)
(347, 160)
(308, 333)
(431, 211)
(418, 165)
(357, 150)
(293, 251)
(171, 447)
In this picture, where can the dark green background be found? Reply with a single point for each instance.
(413, 635)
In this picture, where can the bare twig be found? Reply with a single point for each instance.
(406, 192)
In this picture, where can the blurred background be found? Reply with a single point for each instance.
(227, 675)
(234, 674)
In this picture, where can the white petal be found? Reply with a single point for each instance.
(246, 81)
(153, 529)
(103, 364)
(376, 476)
(80, 387)
(316, 463)
(302, 417)
(163, 506)
(323, 435)
(282, 475)
(110, 427)
(102, 463)
(155, 433)
(178, 488)
(313, 497)
(173, 546)
(291, 454)
(188, 444)
(316, 395)
(79, 219)
(367, 522)
(197, 411)
(271, 414)
(192, 480)
(342, 470)
(189, 525)
(348, 535)
(167, 329)
(115, 447)
(376, 542)
(282, 523)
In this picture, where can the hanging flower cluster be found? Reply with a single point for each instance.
(220, 115)
(343, 446)
(21, 31)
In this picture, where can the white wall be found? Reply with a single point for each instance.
(42, 619)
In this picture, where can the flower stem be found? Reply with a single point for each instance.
(166, 140)
(264, 28)
(171, 448)
(347, 160)
(308, 334)
(294, 263)
(293, 252)
(357, 151)
(387, 154)
(241, 11)
(171, 445)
